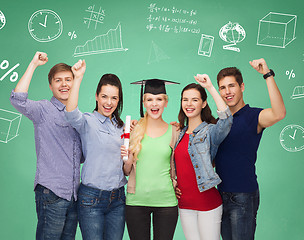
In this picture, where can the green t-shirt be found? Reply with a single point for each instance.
(154, 187)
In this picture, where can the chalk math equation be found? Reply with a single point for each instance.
(171, 19)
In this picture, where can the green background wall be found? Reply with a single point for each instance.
(162, 52)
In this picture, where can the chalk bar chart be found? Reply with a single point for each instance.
(109, 42)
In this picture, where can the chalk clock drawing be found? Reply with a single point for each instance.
(2, 20)
(232, 33)
(45, 25)
(292, 138)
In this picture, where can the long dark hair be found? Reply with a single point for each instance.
(206, 114)
(113, 80)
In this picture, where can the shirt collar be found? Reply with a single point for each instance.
(243, 109)
(59, 105)
(103, 118)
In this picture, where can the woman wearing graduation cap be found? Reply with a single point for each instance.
(150, 190)
(200, 204)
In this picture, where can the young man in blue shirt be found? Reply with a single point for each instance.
(58, 150)
(236, 156)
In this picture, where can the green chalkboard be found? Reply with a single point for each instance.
(140, 39)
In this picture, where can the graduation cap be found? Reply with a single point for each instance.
(153, 86)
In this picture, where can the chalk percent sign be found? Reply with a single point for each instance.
(4, 65)
(291, 74)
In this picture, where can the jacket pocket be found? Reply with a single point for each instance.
(201, 144)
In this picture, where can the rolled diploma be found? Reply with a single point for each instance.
(127, 130)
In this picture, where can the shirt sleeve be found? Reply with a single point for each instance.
(76, 119)
(220, 130)
(33, 110)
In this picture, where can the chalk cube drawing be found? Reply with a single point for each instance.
(277, 30)
(9, 125)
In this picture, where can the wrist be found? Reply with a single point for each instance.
(268, 74)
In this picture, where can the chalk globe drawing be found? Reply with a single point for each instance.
(2, 20)
(232, 33)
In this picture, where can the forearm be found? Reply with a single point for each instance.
(127, 167)
(73, 97)
(276, 100)
(220, 104)
(24, 82)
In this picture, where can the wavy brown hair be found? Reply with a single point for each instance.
(206, 114)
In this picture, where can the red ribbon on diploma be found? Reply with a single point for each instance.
(125, 135)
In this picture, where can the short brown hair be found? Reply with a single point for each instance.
(230, 71)
(60, 67)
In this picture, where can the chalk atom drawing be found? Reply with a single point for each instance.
(205, 45)
(277, 30)
(109, 42)
(2, 20)
(156, 54)
(9, 125)
(232, 33)
(298, 92)
(94, 16)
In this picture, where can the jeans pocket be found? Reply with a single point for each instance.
(87, 201)
(240, 199)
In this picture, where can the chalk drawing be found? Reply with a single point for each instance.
(277, 30)
(9, 125)
(205, 45)
(109, 42)
(232, 33)
(156, 54)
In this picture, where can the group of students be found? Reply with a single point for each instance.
(170, 167)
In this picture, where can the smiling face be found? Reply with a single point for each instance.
(155, 104)
(232, 93)
(61, 84)
(107, 100)
(192, 103)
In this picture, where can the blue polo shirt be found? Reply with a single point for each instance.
(237, 154)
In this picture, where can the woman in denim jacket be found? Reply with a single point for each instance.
(200, 203)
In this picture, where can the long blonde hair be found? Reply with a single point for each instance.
(139, 131)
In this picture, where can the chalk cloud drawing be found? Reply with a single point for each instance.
(9, 125)
(45, 25)
(2, 20)
(94, 16)
(298, 92)
(292, 138)
(109, 42)
(277, 30)
(232, 33)
(156, 54)
(4, 65)
(205, 45)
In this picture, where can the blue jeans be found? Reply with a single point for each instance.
(57, 217)
(239, 215)
(101, 213)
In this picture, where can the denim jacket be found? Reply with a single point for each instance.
(202, 148)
